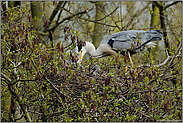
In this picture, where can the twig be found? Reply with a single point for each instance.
(173, 57)
(108, 14)
(175, 2)
(19, 100)
(61, 11)
(98, 22)
(57, 8)
(55, 87)
(7, 78)
(67, 18)
(136, 15)
(159, 65)
(19, 118)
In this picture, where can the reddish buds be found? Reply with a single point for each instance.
(65, 37)
(47, 23)
(62, 48)
(66, 28)
(138, 44)
(77, 40)
(73, 59)
(107, 81)
(115, 86)
(29, 18)
(72, 38)
(38, 76)
(58, 46)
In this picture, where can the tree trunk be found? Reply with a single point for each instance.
(155, 22)
(98, 28)
(36, 10)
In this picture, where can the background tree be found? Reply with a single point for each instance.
(45, 83)
(98, 28)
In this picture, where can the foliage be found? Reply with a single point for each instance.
(50, 84)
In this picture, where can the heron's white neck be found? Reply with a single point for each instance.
(90, 48)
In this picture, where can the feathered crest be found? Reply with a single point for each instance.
(81, 44)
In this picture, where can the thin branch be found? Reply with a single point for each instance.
(128, 12)
(19, 100)
(6, 77)
(159, 65)
(19, 118)
(55, 87)
(98, 22)
(173, 57)
(175, 2)
(136, 15)
(57, 8)
(67, 18)
(108, 14)
(61, 11)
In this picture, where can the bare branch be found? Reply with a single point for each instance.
(19, 100)
(171, 4)
(7, 78)
(159, 65)
(67, 18)
(55, 87)
(136, 15)
(61, 11)
(173, 57)
(108, 14)
(158, 4)
(57, 8)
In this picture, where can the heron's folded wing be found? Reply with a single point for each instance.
(125, 42)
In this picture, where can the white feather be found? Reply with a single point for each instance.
(150, 45)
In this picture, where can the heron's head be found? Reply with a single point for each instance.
(81, 50)
(85, 47)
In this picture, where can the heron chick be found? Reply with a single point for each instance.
(131, 41)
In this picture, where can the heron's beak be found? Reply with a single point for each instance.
(80, 55)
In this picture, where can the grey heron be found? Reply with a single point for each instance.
(130, 42)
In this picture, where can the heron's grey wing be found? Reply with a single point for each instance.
(127, 39)
(124, 40)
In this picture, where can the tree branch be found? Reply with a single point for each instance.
(67, 18)
(173, 57)
(98, 22)
(19, 100)
(7, 78)
(158, 4)
(108, 14)
(61, 11)
(136, 15)
(171, 4)
(55, 11)
(55, 87)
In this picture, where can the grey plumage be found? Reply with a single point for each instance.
(132, 41)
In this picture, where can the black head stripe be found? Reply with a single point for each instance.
(110, 42)
(80, 45)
